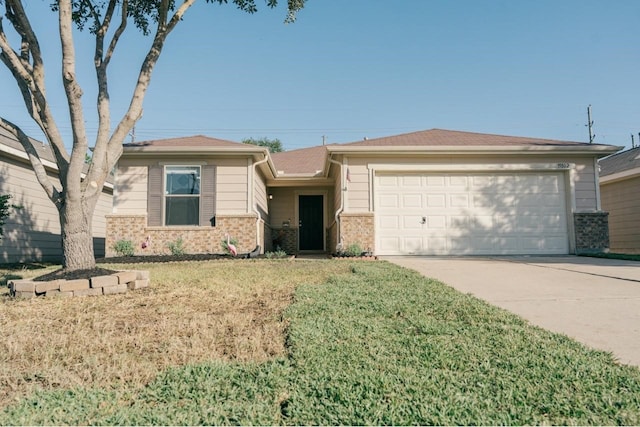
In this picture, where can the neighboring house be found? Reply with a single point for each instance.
(434, 192)
(32, 233)
(620, 193)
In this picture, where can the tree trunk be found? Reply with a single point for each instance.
(77, 236)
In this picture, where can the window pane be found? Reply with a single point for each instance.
(182, 180)
(182, 211)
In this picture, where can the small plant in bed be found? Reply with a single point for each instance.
(123, 247)
(176, 247)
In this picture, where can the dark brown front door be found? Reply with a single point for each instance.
(311, 223)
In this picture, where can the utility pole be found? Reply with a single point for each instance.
(633, 144)
(323, 139)
(592, 135)
(132, 134)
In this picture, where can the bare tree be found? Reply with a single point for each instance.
(75, 197)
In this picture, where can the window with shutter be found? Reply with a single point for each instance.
(182, 195)
(185, 194)
(154, 196)
(207, 196)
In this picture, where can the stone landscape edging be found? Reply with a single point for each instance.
(116, 283)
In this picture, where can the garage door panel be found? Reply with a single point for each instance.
(457, 181)
(459, 200)
(412, 222)
(388, 201)
(471, 213)
(436, 200)
(436, 222)
(411, 181)
(388, 222)
(411, 201)
(387, 181)
(435, 182)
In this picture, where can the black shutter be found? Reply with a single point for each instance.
(207, 195)
(154, 196)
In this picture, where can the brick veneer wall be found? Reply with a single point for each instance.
(592, 231)
(195, 240)
(358, 228)
(286, 238)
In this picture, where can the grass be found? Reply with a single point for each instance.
(367, 344)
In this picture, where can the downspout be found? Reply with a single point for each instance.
(339, 211)
(253, 197)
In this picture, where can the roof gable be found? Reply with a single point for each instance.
(188, 141)
(442, 137)
(305, 161)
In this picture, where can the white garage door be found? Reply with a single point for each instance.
(471, 213)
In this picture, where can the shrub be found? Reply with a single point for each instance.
(353, 249)
(176, 247)
(123, 247)
(4, 211)
(278, 253)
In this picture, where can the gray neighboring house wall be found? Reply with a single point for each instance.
(620, 195)
(32, 233)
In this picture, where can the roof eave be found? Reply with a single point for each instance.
(619, 176)
(599, 150)
(149, 149)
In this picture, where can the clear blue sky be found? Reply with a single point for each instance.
(349, 69)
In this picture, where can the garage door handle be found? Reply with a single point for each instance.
(424, 220)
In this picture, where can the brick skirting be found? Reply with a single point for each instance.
(592, 231)
(358, 229)
(195, 239)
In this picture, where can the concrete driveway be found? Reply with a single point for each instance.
(596, 301)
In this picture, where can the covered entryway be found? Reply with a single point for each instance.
(311, 222)
(471, 213)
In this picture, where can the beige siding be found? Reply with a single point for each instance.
(130, 196)
(260, 194)
(282, 206)
(622, 200)
(231, 183)
(33, 232)
(358, 198)
(232, 186)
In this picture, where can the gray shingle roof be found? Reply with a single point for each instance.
(620, 162)
(44, 150)
(187, 141)
(442, 137)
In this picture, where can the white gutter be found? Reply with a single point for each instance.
(253, 198)
(341, 209)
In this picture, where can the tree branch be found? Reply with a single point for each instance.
(41, 174)
(73, 92)
(134, 112)
(30, 78)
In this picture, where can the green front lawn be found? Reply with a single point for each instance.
(377, 345)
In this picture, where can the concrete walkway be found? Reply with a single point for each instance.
(596, 301)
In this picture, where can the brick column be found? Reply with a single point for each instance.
(592, 231)
(358, 228)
